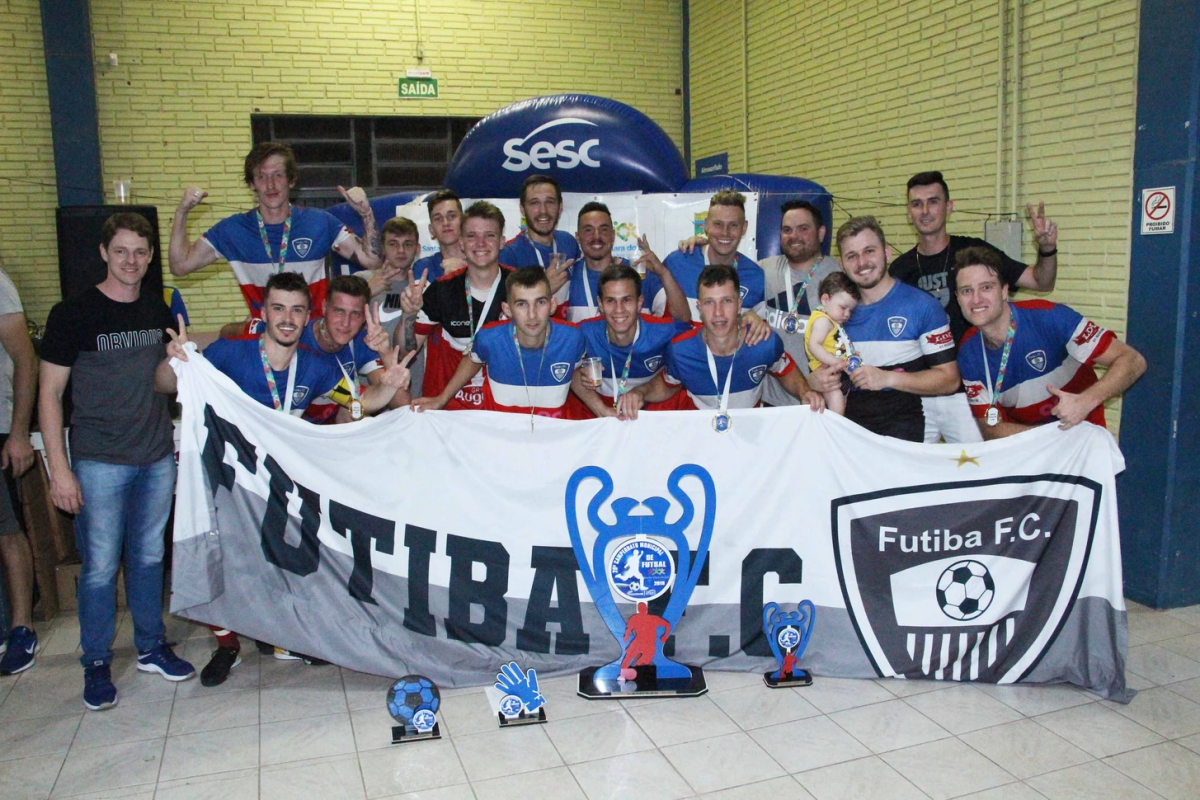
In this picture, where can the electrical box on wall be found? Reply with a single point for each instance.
(1006, 235)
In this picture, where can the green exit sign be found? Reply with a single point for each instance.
(418, 88)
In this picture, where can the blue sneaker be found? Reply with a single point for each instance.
(162, 659)
(22, 647)
(98, 690)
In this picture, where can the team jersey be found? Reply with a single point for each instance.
(906, 331)
(686, 269)
(533, 381)
(687, 365)
(429, 264)
(650, 344)
(447, 321)
(521, 251)
(356, 360)
(314, 233)
(1054, 345)
(583, 298)
(174, 300)
(316, 372)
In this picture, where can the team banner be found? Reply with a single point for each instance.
(450, 543)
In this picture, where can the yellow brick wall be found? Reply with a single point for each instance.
(27, 196)
(860, 95)
(177, 108)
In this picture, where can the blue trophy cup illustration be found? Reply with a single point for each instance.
(630, 558)
(788, 634)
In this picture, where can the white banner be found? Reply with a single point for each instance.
(447, 543)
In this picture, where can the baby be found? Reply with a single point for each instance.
(824, 339)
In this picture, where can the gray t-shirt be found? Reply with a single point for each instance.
(774, 309)
(113, 350)
(10, 303)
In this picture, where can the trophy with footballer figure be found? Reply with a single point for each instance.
(788, 634)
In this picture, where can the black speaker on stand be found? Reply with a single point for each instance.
(79, 263)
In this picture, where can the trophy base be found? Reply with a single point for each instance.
(800, 677)
(402, 735)
(646, 684)
(522, 719)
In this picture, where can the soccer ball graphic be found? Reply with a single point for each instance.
(965, 590)
(411, 694)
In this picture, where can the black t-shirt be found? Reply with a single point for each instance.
(932, 274)
(113, 350)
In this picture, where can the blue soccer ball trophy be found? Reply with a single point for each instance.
(788, 634)
(413, 701)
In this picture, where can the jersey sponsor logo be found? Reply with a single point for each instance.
(302, 246)
(559, 370)
(564, 152)
(298, 395)
(1037, 360)
(1088, 333)
(653, 363)
(940, 337)
(897, 325)
(125, 339)
(756, 373)
(974, 389)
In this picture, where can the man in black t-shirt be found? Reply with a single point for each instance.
(928, 267)
(120, 478)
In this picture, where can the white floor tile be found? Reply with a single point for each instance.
(758, 706)
(237, 785)
(1163, 711)
(888, 726)
(501, 752)
(1098, 730)
(305, 739)
(1033, 700)
(946, 768)
(469, 713)
(281, 703)
(557, 783)
(710, 765)
(1010, 791)
(809, 744)
(37, 737)
(837, 694)
(29, 778)
(1161, 665)
(111, 767)
(1187, 646)
(373, 728)
(597, 736)
(336, 778)
(210, 752)
(407, 768)
(963, 708)
(1025, 748)
(778, 789)
(1154, 626)
(460, 792)
(858, 780)
(645, 776)
(210, 712)
(1167, 768)
(1092, 781)
(907, 688)
(125, 723)
(683, 720)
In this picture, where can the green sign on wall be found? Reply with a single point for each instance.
(418, 88)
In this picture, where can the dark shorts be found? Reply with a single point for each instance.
(9, 524)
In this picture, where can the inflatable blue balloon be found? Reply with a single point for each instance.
(773, 192)
(586, 143)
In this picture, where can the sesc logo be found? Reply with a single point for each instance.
(564, 153)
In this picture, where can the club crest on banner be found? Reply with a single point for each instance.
(559, 370)
(756, 373)
(1037, 360)
(631, 559)
(653, 363)
(302, 246)
(897, 325)
(964, 581)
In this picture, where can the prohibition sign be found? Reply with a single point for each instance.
(1158, 206)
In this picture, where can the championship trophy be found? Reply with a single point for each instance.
(631, 559)
(788, 635)
(413, 701)
(516, 698)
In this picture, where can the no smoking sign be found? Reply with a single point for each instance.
(1158, 210)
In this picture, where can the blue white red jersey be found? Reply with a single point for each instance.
(356, 360)
(314, 233)
(686, 269)
(316, 372)
(651, 342)
(583, 298)
(543, 384)
(431, 264)
(521, 251)
(687, 365)
(1053, 345)
(906, 331)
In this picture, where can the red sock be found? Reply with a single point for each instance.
(226, 638)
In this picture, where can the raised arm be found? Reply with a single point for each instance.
(364, 249)
(1042, 275)
(184, 255)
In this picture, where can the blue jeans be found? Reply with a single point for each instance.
(123, 507)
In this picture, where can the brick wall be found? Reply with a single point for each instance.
(858, 96)
(177, 108)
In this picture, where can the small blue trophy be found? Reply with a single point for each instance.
(788, 634)
(413, 701)
(520, 700)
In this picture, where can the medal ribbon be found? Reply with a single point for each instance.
(283, 243)
(472, 325)
(619, 385)
(994, 396)
(723, 405)
(270, 376)
(536, 375)
(794, 297)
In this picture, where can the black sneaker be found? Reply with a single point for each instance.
(313, 661)
(264, 648)
(217, 670)
(98, 690)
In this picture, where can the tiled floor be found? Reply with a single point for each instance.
(281, 729)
